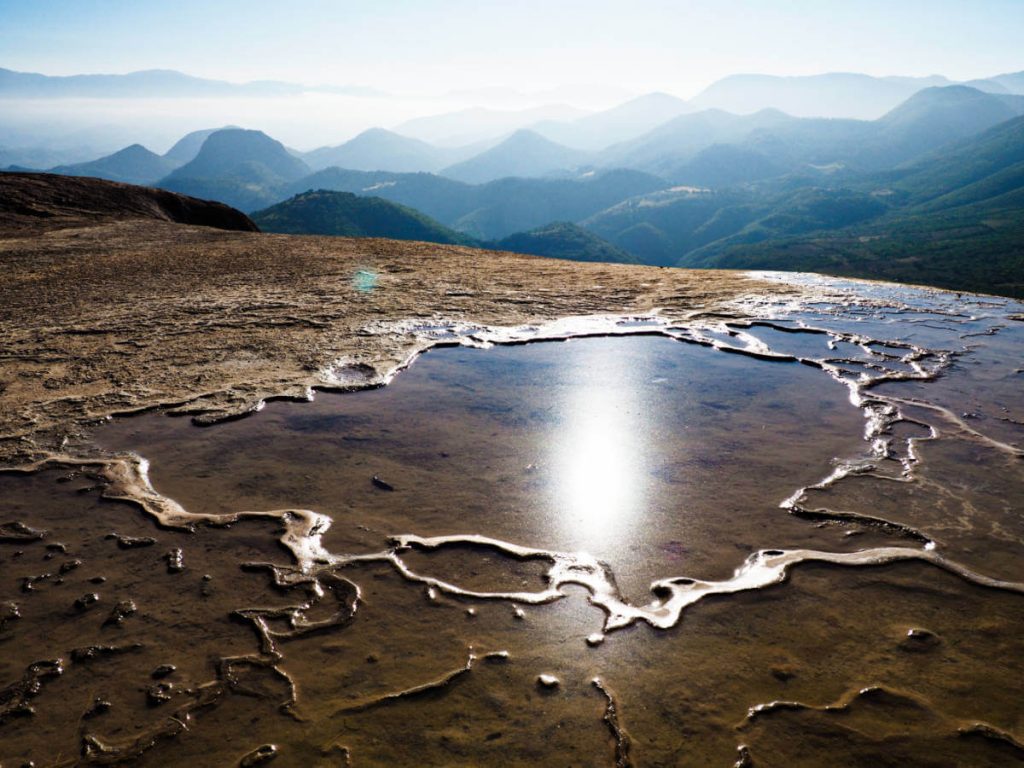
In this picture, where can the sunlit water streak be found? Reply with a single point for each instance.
(598, 457)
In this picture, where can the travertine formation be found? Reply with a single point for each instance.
(237, 640)
(121, 316)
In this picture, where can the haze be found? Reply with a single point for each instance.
(407, 59)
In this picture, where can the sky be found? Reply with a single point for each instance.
(425, 47)
(434, 56)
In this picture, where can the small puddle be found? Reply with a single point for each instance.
(652, 455)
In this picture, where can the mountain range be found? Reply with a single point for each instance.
(188, 146)
(152, 84)
(235, 166)
(954, 219)
(378, 149)
(939, 172)
(476, 124)
(524, 154)
(706, 148)
(147, 84)
(773, 141)
(834, 94)
(602, 129)
(564, 240)
(132, 165)
(493, 210)
(324, 212)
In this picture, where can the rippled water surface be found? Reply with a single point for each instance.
(792, 542)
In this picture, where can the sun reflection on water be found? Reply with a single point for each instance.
(598, 456)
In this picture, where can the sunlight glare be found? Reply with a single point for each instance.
(598, 464)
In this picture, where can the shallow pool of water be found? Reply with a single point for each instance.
(619, 512)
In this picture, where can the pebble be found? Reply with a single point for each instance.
(548, 681)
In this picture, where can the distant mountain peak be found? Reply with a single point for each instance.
(237, 155)
(525, 153)
(524, 135)
(831, 94)
(188, 146)
(564, 240)
(239, 142)
(928, 103)
(133, 164)
(378, 131)
(135, 149)
(656, 95)
(379, 149)
(147, 83)
(327, 212)
(773, 113)
(377, 134)
(948, 93)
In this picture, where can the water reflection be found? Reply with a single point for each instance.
(598, 483)
(662, 459)
(646, 453)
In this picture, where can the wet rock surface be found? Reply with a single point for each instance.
(761, 532)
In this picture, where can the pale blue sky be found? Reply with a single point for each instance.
(642, 45)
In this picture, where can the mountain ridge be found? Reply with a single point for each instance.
(132, 165)
(524, 153)
(325, 212)
(44, 201)
(378, 149)
(149, 83)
